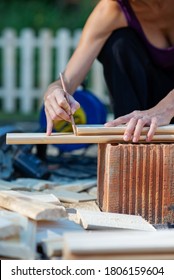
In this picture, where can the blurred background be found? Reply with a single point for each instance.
(37, 14)
(37, 37)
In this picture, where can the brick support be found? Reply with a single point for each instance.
(137, 179)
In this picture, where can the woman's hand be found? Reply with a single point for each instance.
(57, 106)
(159, 115)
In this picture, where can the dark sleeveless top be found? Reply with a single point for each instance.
(162, 57)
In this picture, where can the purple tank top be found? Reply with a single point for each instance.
(162, 57)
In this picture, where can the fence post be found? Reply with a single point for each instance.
(63, 46)
(45, 58)
(27, 69)
(9, 69)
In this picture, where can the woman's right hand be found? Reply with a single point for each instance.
(57, 106)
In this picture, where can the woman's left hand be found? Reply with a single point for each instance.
(159, 115)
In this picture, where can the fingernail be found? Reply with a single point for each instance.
(134, 139)
(126, 137)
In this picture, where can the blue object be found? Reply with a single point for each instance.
(92, 111)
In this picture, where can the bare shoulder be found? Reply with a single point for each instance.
(106, 17)
(110, 11)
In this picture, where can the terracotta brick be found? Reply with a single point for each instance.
(137, 179)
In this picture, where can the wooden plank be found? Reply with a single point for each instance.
(32, 184)
(76, 186)
(50, 235)
(22, 247)
(41, 196)
(103, 220)
(5, 185)
(119, 130)
(69, 196)
(52, 248)
(31, 208)
(8, 228)
(119, 245)
(50, 230)
(69, 138)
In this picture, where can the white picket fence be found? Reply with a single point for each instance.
(28, 63)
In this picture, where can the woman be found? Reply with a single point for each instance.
(134, 40)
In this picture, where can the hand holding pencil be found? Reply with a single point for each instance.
(59, 105)
(67, 97)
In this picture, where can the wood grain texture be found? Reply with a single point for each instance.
(69, 138)
(119, 245)
(29, 207)
(118, 130)
(23, 246)
(69, 196)
(103, 220)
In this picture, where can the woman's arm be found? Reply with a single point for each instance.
(161, 114)
(105, 18)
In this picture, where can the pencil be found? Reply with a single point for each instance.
(67, 97)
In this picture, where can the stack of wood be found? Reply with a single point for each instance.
(65, 222)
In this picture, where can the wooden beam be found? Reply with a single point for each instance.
(69, 138)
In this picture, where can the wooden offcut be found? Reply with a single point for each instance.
(137, 179)
(22, 246)
(105, 221)
(31, 208)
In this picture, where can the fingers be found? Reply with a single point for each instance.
(135, 122)
(120, 120)
(130, 129)
(49, 124)
(152, 129)
(57, 107)
(74, 105)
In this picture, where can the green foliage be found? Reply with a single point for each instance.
(37, 14)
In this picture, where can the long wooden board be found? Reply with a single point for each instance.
(69, 138)
(119, 245)
(118, 130)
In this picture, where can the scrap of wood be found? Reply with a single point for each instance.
(68, 196)
(52, 248)
(32, 184)
(50, 230)
(104, 220)
(5, 185)
(119, 130)
(23, 246)
(8, 228)
(93, 191)
(10, 223)
(41, 196)
(69, 138)
(31, 208)
(77, 186)
(119, 245)
(50, 235)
